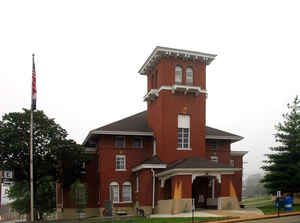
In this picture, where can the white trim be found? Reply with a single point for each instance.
(238, 153)
(235, 138)
(158, 51)
(153, 93)
(90, 150)
(121, 156)
(149, 166)
(183, 149)
(100, 132)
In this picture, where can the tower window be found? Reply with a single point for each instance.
(120, 162)
(189, 76)
(178, 74)
(183, 132)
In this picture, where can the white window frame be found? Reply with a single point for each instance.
(232, 163)
(124, 142)
(189, 76)
(112, 193)
(141, 145)
(118, 157)
(214, 159)
(178, 74)
(183, 142)
(126, 184)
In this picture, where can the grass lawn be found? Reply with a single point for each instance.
(270, 209)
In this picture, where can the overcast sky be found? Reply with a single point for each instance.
(88, 54)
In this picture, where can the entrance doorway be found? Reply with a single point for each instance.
(200, 191)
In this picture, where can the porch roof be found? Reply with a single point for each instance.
(153, 162)
(196, 164)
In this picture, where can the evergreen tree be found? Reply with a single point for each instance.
(283, 164)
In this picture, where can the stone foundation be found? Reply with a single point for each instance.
(228, 203)
(174, 206)
(71, 213)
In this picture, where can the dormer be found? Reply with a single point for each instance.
(176, 70)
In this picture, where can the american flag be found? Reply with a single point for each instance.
(33, 95)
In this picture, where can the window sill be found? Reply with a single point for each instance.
(122, 202)
(120, 169)
(184, 149)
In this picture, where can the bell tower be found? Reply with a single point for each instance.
(176, 98)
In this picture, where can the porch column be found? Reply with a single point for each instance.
(213, 188)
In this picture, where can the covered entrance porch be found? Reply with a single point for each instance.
(204, 185)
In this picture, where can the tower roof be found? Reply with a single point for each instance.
(159, 51)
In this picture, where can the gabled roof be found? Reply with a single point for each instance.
(137, 125)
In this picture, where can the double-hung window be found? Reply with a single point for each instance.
(189, 76)
(114, 192)
(120, 141)
(178, 75)
(126, 192)
(137, 142)
(183, 132)
(120, 162)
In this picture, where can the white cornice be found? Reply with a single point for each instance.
(186, 54)
(90, 150)
(100, 132)
(233, 138)
(238, 153)
(153, 93)
(149, 166)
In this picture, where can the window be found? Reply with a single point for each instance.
(178, 74)
(120, 141)
(183, 131)
(126, 192)
(137, 184)
(137, 142)
(189, 75)
(214, 158)
(232, 163)
(120, 162)
(114, 192)
(211, 144)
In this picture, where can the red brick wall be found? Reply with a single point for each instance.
(237, 178)
(186, 183)
(107, 164)
(163, 112)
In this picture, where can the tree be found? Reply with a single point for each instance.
(55, 158)
(283, 165)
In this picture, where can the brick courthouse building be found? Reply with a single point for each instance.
(160, 159)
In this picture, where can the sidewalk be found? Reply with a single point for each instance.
(244, 219)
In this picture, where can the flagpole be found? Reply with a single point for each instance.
(33, 106)
(31, 168)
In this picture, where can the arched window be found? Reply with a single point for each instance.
(114, 192)
(126, 192)
(178, 74)
(189, 76)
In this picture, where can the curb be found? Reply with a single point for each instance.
(256, 218)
